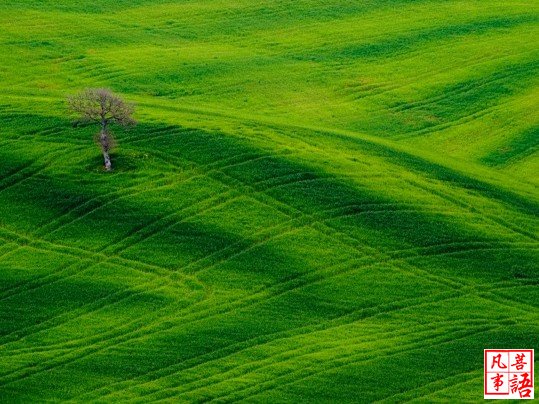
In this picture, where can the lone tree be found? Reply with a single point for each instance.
(101, 106)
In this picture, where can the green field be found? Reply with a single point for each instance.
(322, 201)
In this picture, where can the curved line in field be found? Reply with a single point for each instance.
(344, 359)
(351, 360)
(339, 321)
(150, 236)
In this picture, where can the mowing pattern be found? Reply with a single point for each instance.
(324, 200)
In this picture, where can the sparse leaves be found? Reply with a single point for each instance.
(101, 106)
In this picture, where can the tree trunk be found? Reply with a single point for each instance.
(108, 164)
(105, 147)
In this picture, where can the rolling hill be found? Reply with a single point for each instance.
(322, 201)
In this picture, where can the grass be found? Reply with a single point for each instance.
(323, 201)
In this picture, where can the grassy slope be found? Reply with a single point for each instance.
(322, 200)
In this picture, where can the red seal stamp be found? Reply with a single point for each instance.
(508, 374)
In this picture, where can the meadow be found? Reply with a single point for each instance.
(323, 201)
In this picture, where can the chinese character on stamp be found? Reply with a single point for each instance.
(508, 374)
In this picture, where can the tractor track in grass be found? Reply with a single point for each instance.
(274, 200)
(299, 371)
(242, 347)
(32, 169)
(270, 338)
(104, 251)
(229, 256)
(339, 361)
(462, 203)
(293, 355)
(452, 200)
(496, 77)
(265, 122)
(399, 257)
(150, 332)
(7, 179)
(461, 120)
(96, 71)
(392, 148)
(158, 182)
(432, 387)
(101, 256)
(387, 86)
(259, 291)
(170, 328)
(143, 332)
(232, 247)
(477, 379)
(198, 172)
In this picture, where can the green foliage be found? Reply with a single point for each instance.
(323, 201)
